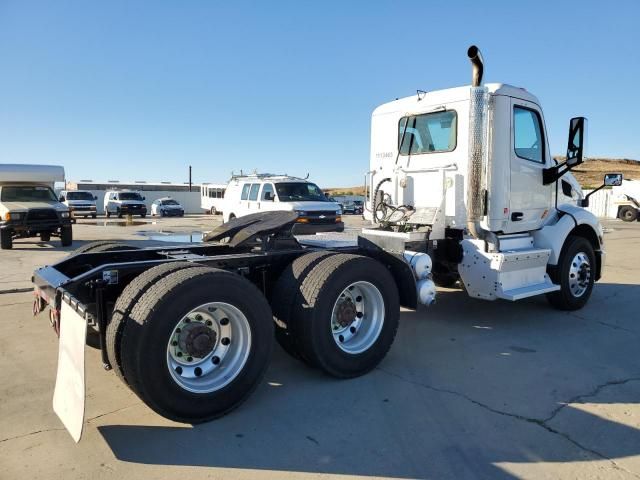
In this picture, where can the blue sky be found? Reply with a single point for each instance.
(135, 90)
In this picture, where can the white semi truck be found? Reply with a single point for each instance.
(462, 187)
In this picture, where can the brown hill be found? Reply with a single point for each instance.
(589, 174)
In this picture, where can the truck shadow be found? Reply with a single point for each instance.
(468, 390)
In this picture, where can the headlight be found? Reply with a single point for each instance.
(13, 216)
(302, 213)
(64, 214)
(339, 211)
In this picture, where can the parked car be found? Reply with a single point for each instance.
(81, 203)
(352, 208)
(167, 207)
(265, 192)
(29, 207)
(124, 202)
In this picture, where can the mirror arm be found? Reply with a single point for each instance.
(585, 201)
(552, 174)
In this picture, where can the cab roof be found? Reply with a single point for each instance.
(448, 95)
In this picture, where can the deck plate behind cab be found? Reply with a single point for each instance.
(69, 394)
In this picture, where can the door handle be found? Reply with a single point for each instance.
(516, 216)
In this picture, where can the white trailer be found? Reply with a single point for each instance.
(462, 187)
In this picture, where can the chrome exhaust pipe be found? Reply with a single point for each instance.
(478, 150)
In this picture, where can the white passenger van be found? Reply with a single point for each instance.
(255, 193)
(124, 202)
(81, 203)
(212, 197)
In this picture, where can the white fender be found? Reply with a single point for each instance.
(554, 233)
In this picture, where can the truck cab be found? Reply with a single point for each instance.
(29, 207)
(470, 168)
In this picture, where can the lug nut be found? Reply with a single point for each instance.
(209, 323)
(179, 354)
(177, 330)
(174, 343)
(189, 359)
(187, 320)
(199, 317)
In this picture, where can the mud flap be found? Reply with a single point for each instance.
(69, 394)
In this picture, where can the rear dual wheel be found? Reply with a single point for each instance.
(194, 359)
(344, 315)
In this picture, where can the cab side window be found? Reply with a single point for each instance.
(253, 194)
(245, 191)
(527, 132)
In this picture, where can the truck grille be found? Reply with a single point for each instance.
(41, 215)
(322, 217)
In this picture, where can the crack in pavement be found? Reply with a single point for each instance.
(87, 421)
(605, 324)
(536, 421)
(31, 433)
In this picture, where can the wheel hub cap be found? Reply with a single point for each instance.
(357, 317)
(579, 274)
(200, 341)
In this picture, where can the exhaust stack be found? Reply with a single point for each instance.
(478, 151)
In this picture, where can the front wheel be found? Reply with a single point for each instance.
(195, 359)
(346, 315)
(575, 273)
(45, 236)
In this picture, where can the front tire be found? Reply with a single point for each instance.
(45, 236)
(575, 273)
(628, 214)
(346, 315)
(66, 235)
(6, 239)
(196, 359)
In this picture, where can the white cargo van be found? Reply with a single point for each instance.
(81, 203)
(247, 194)
(28, 205)
(124, 202)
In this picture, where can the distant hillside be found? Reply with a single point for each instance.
(589, 174)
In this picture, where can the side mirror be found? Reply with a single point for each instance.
(576, 143)
(61, 199)
(610, 180)
(95, 198)
(143, 198)
(613, 179)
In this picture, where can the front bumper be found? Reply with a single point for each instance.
(172, 213)
(310, 228)
(34, 227)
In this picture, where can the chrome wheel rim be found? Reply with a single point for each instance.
(209, 347)
(357, 317)
(579, 274)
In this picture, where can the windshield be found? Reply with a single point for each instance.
(296, 192)
(170, 202)
(27, 194)
(129, 196)
(80, 196)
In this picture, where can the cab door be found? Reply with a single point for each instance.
(530, 200)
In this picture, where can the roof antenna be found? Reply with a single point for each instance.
(421, 94)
